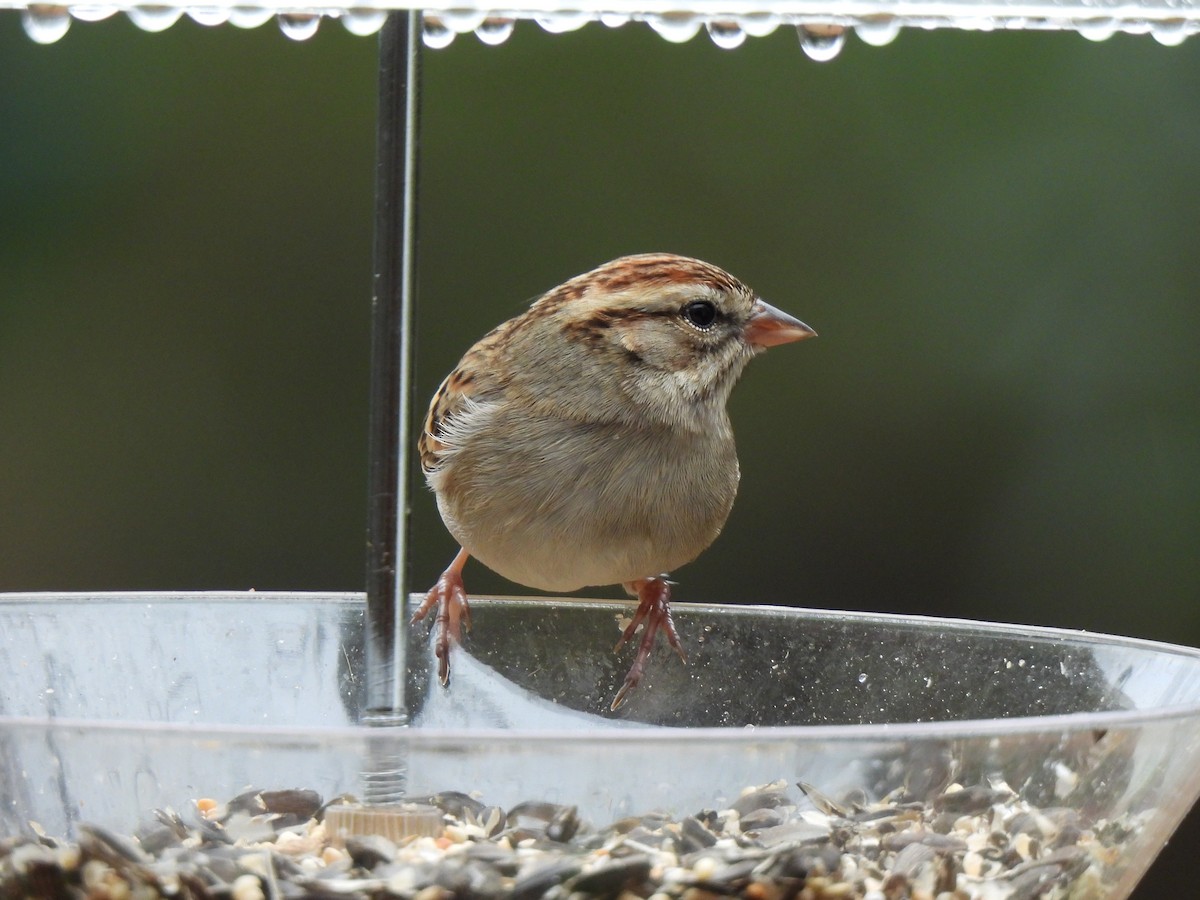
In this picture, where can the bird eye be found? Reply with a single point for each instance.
(701, 313)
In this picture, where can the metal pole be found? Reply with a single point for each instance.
(390, 438)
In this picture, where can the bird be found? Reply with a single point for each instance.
(586, 442)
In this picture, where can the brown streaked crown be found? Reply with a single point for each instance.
(643, 271)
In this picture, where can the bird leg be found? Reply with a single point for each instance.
(653, 613)
(453, 612)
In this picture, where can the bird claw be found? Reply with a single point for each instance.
(653, 614)
(453, 613)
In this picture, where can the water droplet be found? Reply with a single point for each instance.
(463, 21)
(862, 677)
(299, 26)
(363, 22)
(250, 16)
(435, 34)
(495, 30)
(154, 18)
(759, 24)
(93, 13)
(878, 32)
(821, 42)
(1098, 29)
(1170, 34)
(208, 15)
(45, 24)
(614, 20)
(561, 22)
(678, 28)
(726, 34)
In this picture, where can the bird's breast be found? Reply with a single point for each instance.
(559, 505)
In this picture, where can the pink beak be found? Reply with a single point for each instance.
(769, 327)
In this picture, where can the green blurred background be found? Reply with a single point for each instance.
(994, 234)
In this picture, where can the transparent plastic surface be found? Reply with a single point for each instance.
(821, 24)
(114, 706)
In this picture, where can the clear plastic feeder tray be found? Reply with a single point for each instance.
(112, 706)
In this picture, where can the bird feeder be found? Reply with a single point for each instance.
(800, 753)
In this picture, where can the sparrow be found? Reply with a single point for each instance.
(586, 441)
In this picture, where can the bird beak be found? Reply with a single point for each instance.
(769, 327)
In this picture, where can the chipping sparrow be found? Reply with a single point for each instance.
(586, 442)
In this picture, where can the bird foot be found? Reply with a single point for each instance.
(653, 614)
(453, 612)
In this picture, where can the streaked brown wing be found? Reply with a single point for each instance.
(472, 379)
